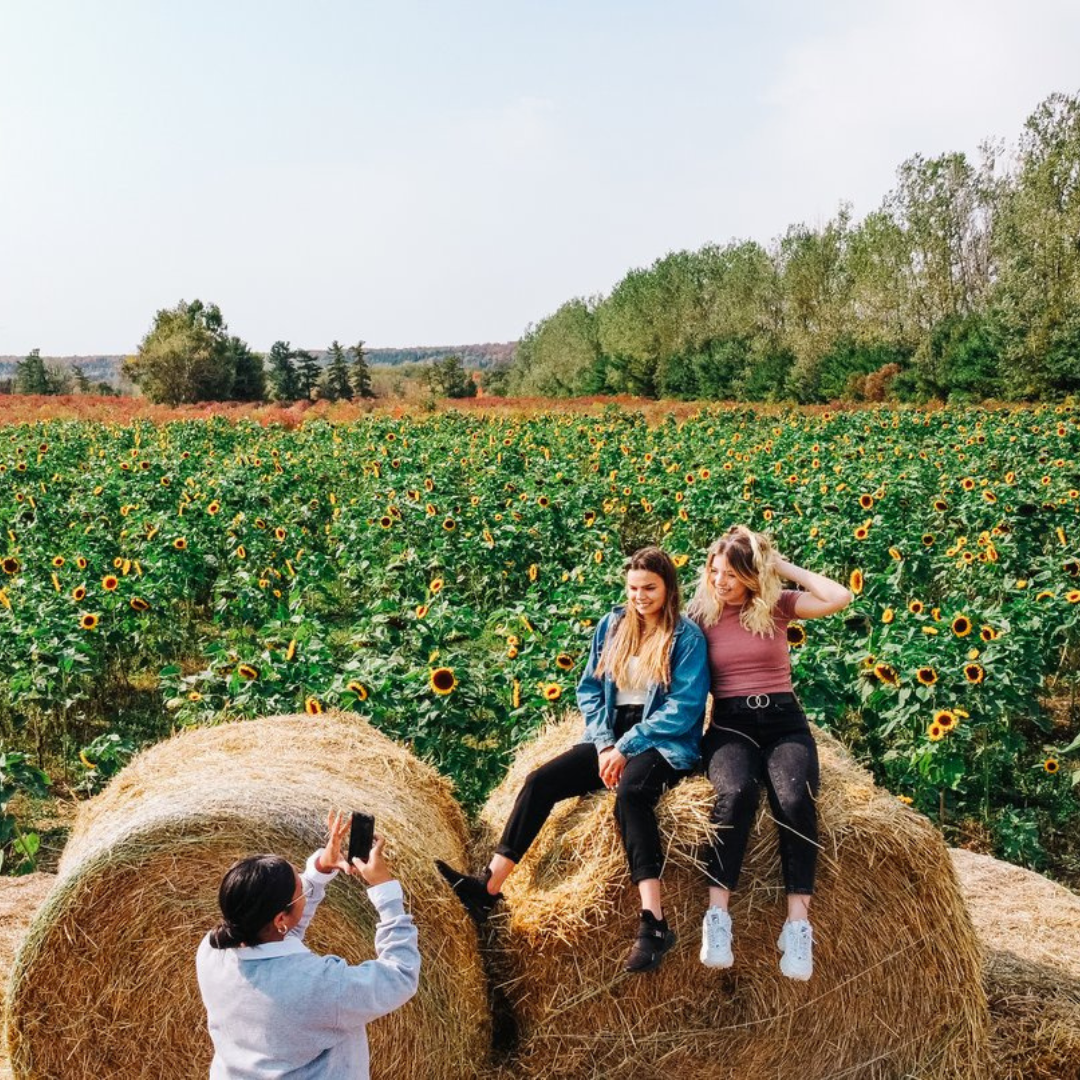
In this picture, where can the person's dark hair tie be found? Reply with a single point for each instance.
(252, 892)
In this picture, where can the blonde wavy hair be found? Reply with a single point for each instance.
(752, 557)
(628, 637)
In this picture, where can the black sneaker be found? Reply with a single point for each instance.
(471, 891)
(654, 939)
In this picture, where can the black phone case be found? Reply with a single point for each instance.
(361, 836)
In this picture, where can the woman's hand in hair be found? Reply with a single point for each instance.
(823, 596)
(330, 858)
(375, 869)
(612, 763)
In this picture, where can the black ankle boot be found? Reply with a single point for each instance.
(471, 891)
(654, 939)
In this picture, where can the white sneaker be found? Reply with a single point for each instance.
(716, 939)
(797, 944)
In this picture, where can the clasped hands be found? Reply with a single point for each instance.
(612, 763)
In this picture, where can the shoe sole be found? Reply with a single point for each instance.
(717, 965)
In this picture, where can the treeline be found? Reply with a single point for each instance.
(483, 356)
(189, 356)
(35, 375)
(964, 284)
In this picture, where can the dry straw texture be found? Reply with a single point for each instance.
(19, 899)
(1029, 930)
(104, 984)
(895, 991)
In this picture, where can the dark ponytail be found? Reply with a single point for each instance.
(252, 892)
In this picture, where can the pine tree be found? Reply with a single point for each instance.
(284, 381)
(360, 373)
(307, 372)
(336, 380)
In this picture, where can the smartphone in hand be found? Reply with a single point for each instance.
(361, 836)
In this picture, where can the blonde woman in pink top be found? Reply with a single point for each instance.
(758, 733)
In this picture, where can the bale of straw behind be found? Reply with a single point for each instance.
(1030, 931)
(895, 990)
(105, 985)
(19, 900)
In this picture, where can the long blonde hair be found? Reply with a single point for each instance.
(752, 557)
(628, 638)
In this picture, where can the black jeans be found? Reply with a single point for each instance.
(742, 749)
(577, 772)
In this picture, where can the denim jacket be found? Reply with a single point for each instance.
(673, 715)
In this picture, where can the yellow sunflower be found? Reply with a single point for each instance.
(442, 681)
(138, 604)
(927, 676)
(552, 692)
(887, 674)
(247, 671)
(1051, 765)
(564, 661)
(796, 635)
(974, 673)
(915, 607)
(946, 719)
(88, 621)
(961, 625)
(313, 706)
(855, 581)
(359, 689)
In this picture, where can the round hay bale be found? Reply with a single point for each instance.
(105, 985)
(19, 900)
(895, 990)
(1031, 972)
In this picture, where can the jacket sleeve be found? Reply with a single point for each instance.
(377, 987)
(590, 694)
(317, 882)
(684, 704)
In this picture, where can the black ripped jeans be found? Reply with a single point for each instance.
(742, 749)
(577, 772)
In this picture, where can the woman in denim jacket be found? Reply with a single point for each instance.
(643, 700)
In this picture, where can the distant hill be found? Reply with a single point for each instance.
(107, 368)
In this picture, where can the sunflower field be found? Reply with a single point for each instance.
(441, 574)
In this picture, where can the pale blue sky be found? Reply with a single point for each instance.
(443, 173)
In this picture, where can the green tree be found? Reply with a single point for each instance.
(307, 372)
(249, 382)
(360, 372)
(1036, 244)
(79, 378)
(816, 288)
(187, 356)
(335, 385)
(448, 378)
(282, 376)
(560, 356)
(32, 376)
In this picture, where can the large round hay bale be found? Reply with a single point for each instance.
(1031, 973)
(19, 900)
(895, 990)
(105, 985)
